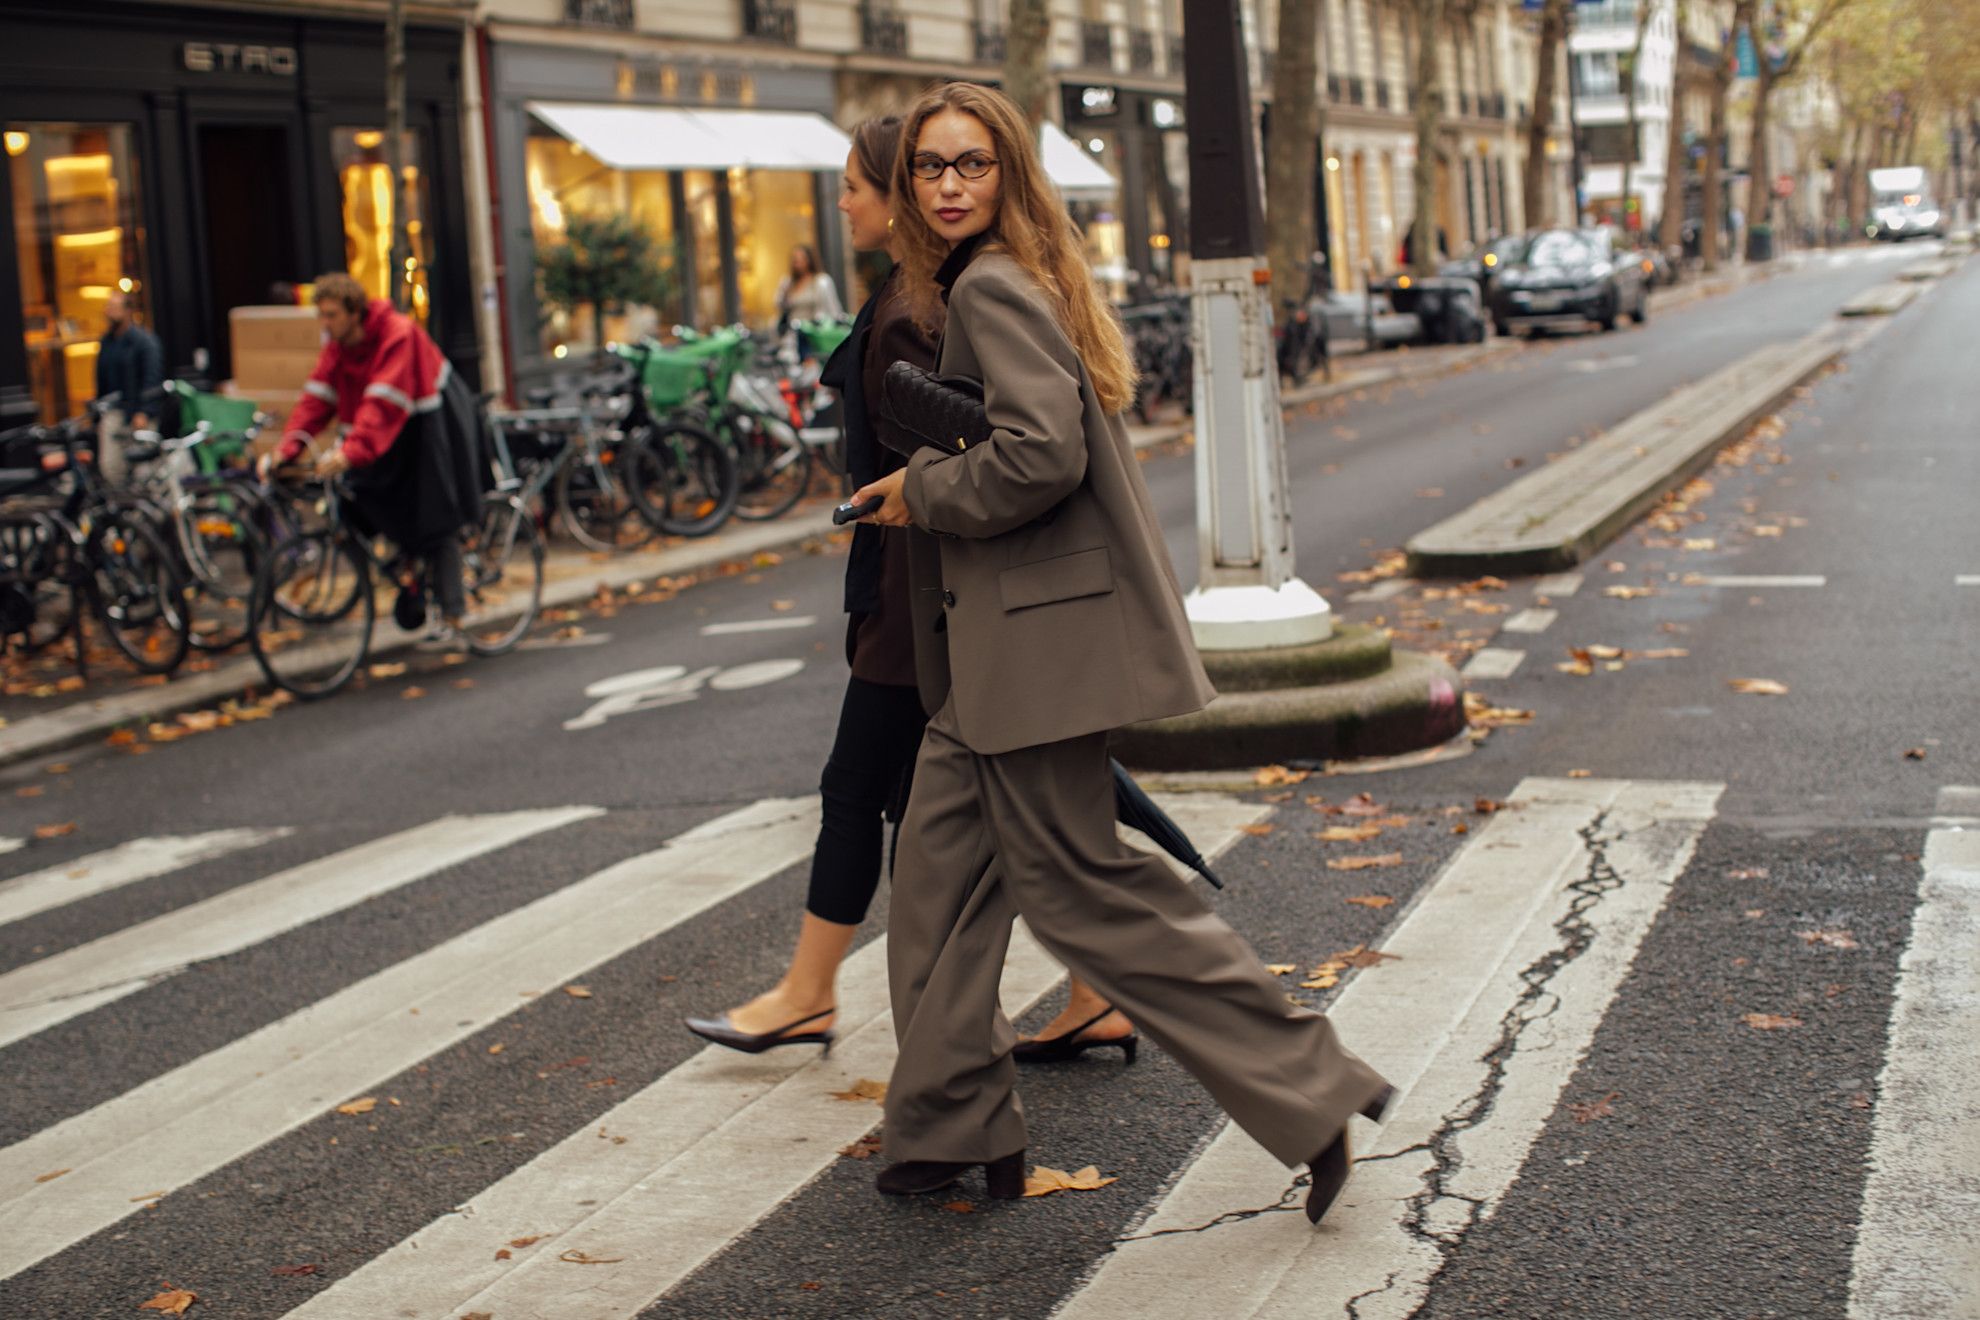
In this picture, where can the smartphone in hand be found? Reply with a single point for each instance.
(849, 512)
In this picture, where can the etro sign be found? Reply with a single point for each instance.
(233, 57)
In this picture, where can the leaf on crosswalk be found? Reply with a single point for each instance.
(173, 1301)
(864, 1089)
(1281, 969)
(1770, 1021)
(578, 991)
(1834, 939)
(959, 1207)
(576, 1257)
(413, 693)
(1348, 833)
(295, 1271)
(1258, 830)
(1043, 1181)
(1587, 1111)
(1377, 901)
(1364, 863)
(54, 831)
(1273, 776)
(1914, 754)
(356, 1107)
(51, 1177)
(864, 1149)
(1758, 687)
(530, 1241)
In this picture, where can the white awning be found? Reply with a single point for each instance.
(640, 137)
(1078, 175)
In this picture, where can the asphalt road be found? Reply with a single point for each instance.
(1684, 1163)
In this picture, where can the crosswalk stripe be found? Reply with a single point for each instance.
(1493, 662)
(8, 845)
(183, 1125)
(1918, 1243)
(1531, 620)
(75, 981)
(1429, 1023)
(693, 1170)
(127, 863)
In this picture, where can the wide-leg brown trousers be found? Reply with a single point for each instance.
(1031, 833)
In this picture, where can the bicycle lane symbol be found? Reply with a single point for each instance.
(671, 685)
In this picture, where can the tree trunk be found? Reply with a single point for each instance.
(1291, 156)
(397, 287)
(1535, 196)
(1429, 116)
(1715, 139)
(1643, 9)
(1759, 168)
(1676, 164)
(1027, 44)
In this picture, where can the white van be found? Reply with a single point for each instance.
(1901, 205)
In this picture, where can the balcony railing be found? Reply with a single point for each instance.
(990, 43)
(1333, 87)
(1464, 104)
(1381, 94)
(1176, 53)
(599, 13)
(771, 20)
(1141, 50)
(1357, 91)
(1096, 44)
(882, 30)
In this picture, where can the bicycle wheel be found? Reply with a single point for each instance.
(683, 480)
(776, 465)
(136, 591)
(502, 558)
(37, 603)
(594, 504)
(222, 551)
(311, 613)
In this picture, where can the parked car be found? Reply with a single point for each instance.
(1483, 263)
(1568, 277)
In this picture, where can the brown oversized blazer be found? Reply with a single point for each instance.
(1061, 612)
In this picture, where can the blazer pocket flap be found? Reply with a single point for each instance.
(1068, 577)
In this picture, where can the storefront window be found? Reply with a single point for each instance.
(365, 176)
(704, 211)
(564, 181)
(79, 238)
(775, 211)
(1106, 234)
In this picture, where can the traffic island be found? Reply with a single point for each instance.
(1884, 299)
(1350, 696)
(1931, 268)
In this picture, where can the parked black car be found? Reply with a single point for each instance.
(1483, 264)
(1568, 277)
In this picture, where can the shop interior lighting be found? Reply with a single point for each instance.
(1334, 164)
(17, 142)
(1095, 145)
(126, 284)
(368, 138)
(94, 238)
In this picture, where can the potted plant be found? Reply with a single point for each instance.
(606, 262)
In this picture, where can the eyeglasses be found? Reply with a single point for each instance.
(969, 165)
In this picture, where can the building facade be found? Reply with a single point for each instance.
(1624, 51)
(195, 158)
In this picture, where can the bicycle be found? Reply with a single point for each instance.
(571, 459)
(314, 603)
(737, 402)
(681, 478)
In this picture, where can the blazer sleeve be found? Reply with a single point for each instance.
(1036, 453)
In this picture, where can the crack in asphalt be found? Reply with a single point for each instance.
(1285, 1202)
(1535, 1003)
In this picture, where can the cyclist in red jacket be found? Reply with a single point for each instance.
(377, 373)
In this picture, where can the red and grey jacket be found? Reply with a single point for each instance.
(396, 370)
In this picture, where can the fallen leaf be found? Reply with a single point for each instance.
(1579, 668)
(1589, 1110)
(1770, 1021)
(1914, 754)
(1281, 969)
(1364, 863)
(1376, 901)
(1834, 939)
(959, 1207)
(497, 1048)
(382, 672)
(149, 1196)
(1602, 652)
(51, 1177)
(1484, 715)
(1348, 833)
(864, 1149)
(576, 1257)
(463, 683)
(1486, 806)
(1748, 873)
(1579, 774)
(864, 1089)
(578, 991)
(1274, 776)
(54, 831)
(1043, 1181)
(504, 1254)
(412, 694)
(1754, 914)
(363, 1106)
(811, 1286)
(1325, 982)
(1363, 805)
(1758, 687)
(529, 1241)
(295, 1271)
(1628, 593)
(783, 606)
(171, 1302)
(1259, 830)
(1700, 543)
(32, 790)
(1660, 653)
(1861, 1100)
(1362, 956)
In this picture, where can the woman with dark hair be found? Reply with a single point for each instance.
(806, 293)
(881, 718)
(1063, 620)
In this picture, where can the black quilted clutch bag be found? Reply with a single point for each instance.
(944, 413)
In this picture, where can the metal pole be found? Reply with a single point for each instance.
(1247, 597)
(398, 286)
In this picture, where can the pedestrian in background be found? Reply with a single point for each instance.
(864, 784)
(130, 382)
(806, 293)
(1063, 621)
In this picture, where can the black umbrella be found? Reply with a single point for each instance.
(1134, 807)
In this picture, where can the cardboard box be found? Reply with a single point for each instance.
(284, 328)
(285, 366)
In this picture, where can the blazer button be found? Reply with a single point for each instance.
(948, 597)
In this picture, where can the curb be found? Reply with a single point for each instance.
(84, 721)
(1559, 516)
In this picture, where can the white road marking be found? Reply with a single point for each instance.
(181, 1126)
(1557, 586)
(697, 1165)
(1589, 366)
(1493, 662)
(1918, 1240)
(1765, 580)
(1387, 589)
(554, 643)
(1531, 621)
(75, 981)
(8, 845)
(671, 685)
(758, 625)
(1966, 579)
(139, 859)
(1427, 1023)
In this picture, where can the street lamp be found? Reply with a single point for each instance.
(1247, 596)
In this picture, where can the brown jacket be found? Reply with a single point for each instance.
(1056, 628)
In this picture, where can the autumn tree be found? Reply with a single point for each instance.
(1723, 72)
(1292, 151)
(1428, 18)
(1800, 22)
(1534, 191)
(1027, 43)
(1670, 233)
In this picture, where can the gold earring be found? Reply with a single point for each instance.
(890, 224)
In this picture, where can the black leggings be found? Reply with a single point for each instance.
(872, 757)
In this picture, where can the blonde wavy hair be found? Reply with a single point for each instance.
(1031, 225)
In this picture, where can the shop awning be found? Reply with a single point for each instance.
(640, 137)
(1079, 176)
